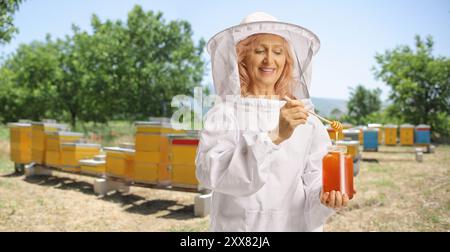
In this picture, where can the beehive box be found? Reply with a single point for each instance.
(38, 139)
(120, 162)
(20, 142)
(352, 148)
(378, 126)
(406, 134)
(72, 153)
(92, 166)
(390, 134)
(422, 135)
(54, 140)
(370, 136)
(361, 133)
(151, 166)
(351, 134)
(156, 128)
(152, 146)
(182, 162)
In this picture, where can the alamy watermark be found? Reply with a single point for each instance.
(229, 112)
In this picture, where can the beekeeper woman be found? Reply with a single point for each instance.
(260, 155)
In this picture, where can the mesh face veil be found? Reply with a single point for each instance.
(302, 43)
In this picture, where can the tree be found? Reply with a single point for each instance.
(164, 60)
(420, 84)
(7, 28)
(362, 103)
(122, 70)
(27, 85)
(336, 114)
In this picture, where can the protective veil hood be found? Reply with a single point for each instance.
(222, 48)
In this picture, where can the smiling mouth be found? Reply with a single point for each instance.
(267, 70)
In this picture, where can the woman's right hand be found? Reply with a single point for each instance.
(292, 114)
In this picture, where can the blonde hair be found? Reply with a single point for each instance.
(284, 84)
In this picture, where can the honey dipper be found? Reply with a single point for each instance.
(337, 126)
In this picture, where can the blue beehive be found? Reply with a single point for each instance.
(370, 142)
(422, 134)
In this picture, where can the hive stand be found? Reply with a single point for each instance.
(103, 186)
(202, 202)
(37, 170)
(419, 155)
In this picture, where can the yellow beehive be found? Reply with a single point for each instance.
(151, 167)
(182, 162)
(352, 148)
(20, 142)
(183, 151)
(38, 142)
(184, 176)
(54, 139)
(156, 127)
(390, 134)
(120, 162)
(92, 166)
(152, 146)
(72, 153)
(380, 131)
(148, 142)
(145, 172)
(406, 134)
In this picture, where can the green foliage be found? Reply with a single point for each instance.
(7, 28)
(27, 82)
(122, 71)
(362, 105)
(420, 85)
(336, 114)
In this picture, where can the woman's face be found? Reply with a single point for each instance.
(265, 60)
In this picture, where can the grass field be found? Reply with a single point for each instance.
(395, 193)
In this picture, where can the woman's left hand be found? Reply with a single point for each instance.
(334, 199)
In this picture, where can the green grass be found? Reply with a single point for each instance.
(377, 168)
(6, 166)
(200, 227)
(375, 201)
(384, 182)
(4, 132)
(108, 133)
(7, 184)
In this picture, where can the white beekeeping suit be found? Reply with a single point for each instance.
(258, 185)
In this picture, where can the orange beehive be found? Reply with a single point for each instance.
(72, 153)
(20, 142)
(182, 162)
(120, 162)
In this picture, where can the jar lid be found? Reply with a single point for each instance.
(337, 148)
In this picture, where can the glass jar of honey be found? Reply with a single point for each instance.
(337, 173)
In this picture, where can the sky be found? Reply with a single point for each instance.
(351, 31)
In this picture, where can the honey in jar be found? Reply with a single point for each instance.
(337, 171)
